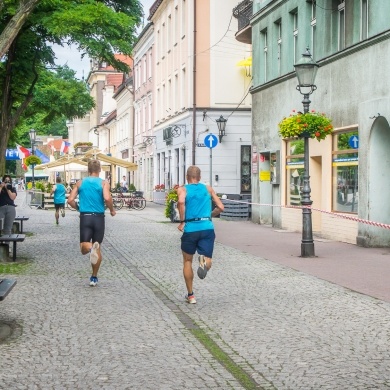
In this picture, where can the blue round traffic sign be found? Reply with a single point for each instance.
(211, 141)
(353, 142)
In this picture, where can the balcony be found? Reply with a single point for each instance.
(243, 13)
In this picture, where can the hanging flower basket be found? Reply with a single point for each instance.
(312, 124)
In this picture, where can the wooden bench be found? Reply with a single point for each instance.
(21, 219)
(6, 285)
(14, 238)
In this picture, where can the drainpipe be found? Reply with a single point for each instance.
(194, 92)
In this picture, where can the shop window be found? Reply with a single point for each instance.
(294, 171)
(345, 164)
(245, 169)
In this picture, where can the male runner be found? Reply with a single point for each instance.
(93, 192)
(59, 192)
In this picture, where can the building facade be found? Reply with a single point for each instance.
(196, 82)
(350, 41)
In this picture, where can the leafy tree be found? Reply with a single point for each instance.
(99, 28)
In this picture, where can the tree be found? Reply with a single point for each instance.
(99, 28)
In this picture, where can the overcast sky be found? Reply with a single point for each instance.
(71, 57)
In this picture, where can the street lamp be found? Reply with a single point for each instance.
(33, 136)
(306, 70)
(221, 123)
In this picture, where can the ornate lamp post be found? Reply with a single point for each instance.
(306, 70)
(33, 136)
(221, 123)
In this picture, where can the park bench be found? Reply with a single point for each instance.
(20, 220)
(6, 285)
(14, 238)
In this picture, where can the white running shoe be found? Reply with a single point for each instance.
(202, 269)
(94, 256)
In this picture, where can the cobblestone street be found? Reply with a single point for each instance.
(283, 328)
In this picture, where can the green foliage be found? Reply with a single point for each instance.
(32, 160)
(82, 143)
(132, 187)
(314, 124)
(170, 198)
(40, 186)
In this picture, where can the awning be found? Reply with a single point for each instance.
(61, 162)
(94, 153)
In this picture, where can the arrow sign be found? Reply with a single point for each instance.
(211, 141)
(353, 142)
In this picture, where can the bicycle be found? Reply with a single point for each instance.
(132, 201)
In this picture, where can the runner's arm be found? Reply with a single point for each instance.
(219, 207)
(73, 194)
(108, 198)
(181, 206)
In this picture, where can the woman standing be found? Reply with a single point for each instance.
(7, 205)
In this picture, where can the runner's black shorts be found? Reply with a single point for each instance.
(201, 242)
(92, 227)
(59, 206)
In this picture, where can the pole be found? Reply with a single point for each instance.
(211, 167)
(307, 245)
(32, 166)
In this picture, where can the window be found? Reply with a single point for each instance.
(313, 24)
(177, 163)
(144, 70)
(294, 171)
(364, 21)
(264, 43)
(341, 27)
(183, 99)
(295, 36)
(245, 169)
(279, 43)
(345, 163)
(150, 64)
(183, 19)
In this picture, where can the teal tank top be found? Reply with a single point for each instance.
(91, 195)
(198, 205)
(59, 194)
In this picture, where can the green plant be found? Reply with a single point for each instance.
(170, 198)
(82, 143)
(313, 124)
(40, 186)
(32, 160)
(132, 187)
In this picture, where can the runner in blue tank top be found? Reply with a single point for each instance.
(93, 192)
(194, 204)
(59, 192)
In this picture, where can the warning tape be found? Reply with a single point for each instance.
(337, 215)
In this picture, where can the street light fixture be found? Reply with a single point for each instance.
(221, 123)
(306, 71)
(33, 136)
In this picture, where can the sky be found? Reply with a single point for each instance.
(72, 57)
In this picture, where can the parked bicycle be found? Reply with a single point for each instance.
(134, 201)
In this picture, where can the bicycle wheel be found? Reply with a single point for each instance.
(139, 203)
(118, 203)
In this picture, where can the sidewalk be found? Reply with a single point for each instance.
(365, 270)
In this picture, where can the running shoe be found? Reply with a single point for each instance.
(190, 298)
(63, 212)
(57, 221)
(94, 256)
(93, 281)
(202, 269)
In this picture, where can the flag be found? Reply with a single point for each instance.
(23, 153)
(65, 147)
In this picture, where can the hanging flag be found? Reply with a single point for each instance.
(22, 151)
(65, 147)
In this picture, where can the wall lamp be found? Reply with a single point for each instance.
(221, 123)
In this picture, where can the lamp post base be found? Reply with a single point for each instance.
(307, 249)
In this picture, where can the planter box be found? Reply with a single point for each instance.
(159, 197)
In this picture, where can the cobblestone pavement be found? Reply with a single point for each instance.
(286, 329)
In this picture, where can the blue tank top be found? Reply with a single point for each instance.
(59, 194)
(198, 205)
(91, 195)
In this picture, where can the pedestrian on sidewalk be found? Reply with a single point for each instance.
(194, 204)
(93, 192)
(59, 192)
(7, 205)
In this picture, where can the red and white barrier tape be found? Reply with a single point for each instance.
(372, 223)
